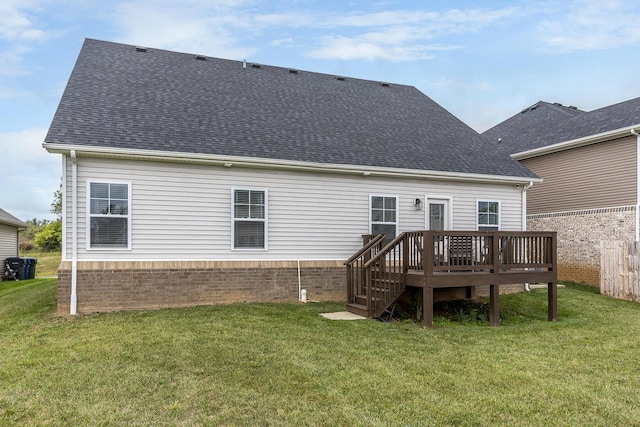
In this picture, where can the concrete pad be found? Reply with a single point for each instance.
(342, 315)
(543, 286)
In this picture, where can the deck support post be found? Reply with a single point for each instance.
(427, 307)
(494, 305)
(552, 297)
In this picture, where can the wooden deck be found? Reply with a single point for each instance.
(377, 275)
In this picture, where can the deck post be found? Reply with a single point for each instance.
(494, 305)
(552, 296)
(427, 307)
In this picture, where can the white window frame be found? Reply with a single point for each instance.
(397, 222)
(449, 212)
(89, 215)
(264, 220)
(478, 225)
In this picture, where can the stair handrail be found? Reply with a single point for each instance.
(376, 308)
(365, 248)
(385, 249)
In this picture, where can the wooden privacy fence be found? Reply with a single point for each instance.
(620, 270)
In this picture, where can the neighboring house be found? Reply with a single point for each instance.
(9, 228)
(589, 164)
(194, 180)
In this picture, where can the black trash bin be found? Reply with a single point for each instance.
(17, 265)
(31, 263)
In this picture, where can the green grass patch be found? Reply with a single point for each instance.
(283, 364)
(48, 261)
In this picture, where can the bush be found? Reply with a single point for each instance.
(27, 246)
(50, 237)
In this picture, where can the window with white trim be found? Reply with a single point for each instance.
(109, 215)
(384, 217)
(249, 219)
(488, 215)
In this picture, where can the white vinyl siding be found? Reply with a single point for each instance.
(182, 211)
(8, 243)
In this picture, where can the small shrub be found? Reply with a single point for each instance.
(27, 246)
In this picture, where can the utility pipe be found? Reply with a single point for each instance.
(73, 306)
(524, 218)
(633, 132)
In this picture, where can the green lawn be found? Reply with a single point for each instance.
(48, 261)
(282, 364)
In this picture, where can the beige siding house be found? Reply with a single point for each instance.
(589, 165)
(193, 180)
(9, 228)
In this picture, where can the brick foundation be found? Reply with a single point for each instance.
(579, 237)
(120, 285)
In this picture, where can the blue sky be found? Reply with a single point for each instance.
(482, 60)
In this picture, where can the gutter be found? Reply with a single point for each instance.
(524, 218)
(278, 164)
(634, 132)
(575, 143)
(73, 304)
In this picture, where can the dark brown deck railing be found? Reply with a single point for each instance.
(385, 275)
(356, 283)
(441, 259)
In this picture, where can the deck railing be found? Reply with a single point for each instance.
(449, 259)
(356, 283)
(496, 257)
(385, 275)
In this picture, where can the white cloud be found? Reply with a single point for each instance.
(372, 48)
(29, 176)
(192, 26)
(402, 35)
(589, 25)
(214, 28)
(458, 84)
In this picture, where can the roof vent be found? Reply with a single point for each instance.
(384, 84)
(292, 71)
(255, 66)
(573, 107)
(340, 78)
(558, 104)
(141, 49)
(201, 58)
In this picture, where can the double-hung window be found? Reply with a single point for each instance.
(249, 230)
(384, 216)
(488, 215)
(109, 215)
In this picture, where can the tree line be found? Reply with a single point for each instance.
(44, 234)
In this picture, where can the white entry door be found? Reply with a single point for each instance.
(438, 213)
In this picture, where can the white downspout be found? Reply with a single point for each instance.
(633, 132)
(73, 309)
(524, 218)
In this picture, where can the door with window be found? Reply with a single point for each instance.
(439, 218)
(438, 215)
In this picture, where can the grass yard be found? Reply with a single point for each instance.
(282, 364)
(48, 261)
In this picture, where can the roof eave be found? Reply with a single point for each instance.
(279, 164)
(576, 143)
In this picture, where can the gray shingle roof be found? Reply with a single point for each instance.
(120, 97)
(546, 124)
(8, 219)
